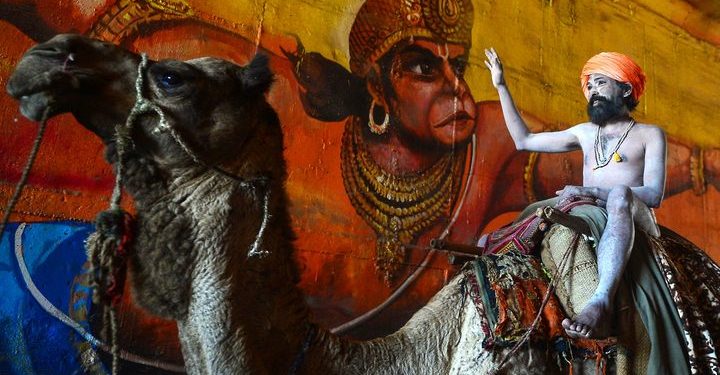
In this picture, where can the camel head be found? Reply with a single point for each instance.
(214, 105)
(71, 73)
(216, 119)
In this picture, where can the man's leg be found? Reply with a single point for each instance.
(613, 252)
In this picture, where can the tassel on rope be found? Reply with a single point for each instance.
(93, 244)
(108, 248)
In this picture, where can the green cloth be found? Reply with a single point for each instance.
(656, 307)
(653, 301)
(595, 217)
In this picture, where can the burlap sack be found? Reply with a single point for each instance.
(580, 276)
(578, 282)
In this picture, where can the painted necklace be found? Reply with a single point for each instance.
(600, 159)
(397, 208)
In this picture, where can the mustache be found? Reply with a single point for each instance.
(599, 98)
(601, 109)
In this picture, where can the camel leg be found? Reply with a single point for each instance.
(613, 252)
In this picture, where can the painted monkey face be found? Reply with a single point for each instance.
(429, 100)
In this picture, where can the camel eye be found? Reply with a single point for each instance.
(170, 80)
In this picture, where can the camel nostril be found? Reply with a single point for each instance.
(69, 60)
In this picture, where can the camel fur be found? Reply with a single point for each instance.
(237, 312)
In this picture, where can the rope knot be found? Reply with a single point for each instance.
(108, 249)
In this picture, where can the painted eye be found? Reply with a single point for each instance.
(170, 80)
(459, 67)
(422, 68)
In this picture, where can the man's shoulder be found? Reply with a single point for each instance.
(583, 128)
(650, 129)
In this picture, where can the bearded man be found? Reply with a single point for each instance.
(623, 168)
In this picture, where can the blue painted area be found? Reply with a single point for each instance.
(31, 340)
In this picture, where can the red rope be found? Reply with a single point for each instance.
(116, 285)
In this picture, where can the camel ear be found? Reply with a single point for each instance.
(256, 76)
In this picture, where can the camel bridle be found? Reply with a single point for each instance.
(145, 106)
(141, 107)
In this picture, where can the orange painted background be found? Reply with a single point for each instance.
(543, 43)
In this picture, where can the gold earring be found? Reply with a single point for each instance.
(374, 127)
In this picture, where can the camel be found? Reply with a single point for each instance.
(214, 245)
(213, 248)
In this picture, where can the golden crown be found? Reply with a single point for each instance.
(380, 24)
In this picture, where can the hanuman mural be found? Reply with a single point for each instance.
(404, 153)
(409, 166)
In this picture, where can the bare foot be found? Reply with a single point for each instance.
(594, 321)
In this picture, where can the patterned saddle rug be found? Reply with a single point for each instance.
(525, 236)
(508, 291)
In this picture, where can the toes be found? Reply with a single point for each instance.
(573, 334)
(571, 325)
(585, 331)
(576, 330)
(582, 329)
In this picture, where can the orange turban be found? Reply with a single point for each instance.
(616, 66)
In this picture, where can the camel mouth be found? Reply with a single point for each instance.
(35, 105)
(40, 70)
(41, 78)
(28, 88)
(34, 96)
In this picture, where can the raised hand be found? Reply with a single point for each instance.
(496, 70)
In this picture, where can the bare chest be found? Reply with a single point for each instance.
(614, 160)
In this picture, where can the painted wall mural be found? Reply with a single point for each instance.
(369, 188)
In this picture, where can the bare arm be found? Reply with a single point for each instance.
(559, 141)
(653, 188)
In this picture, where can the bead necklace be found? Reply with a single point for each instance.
(600, 159)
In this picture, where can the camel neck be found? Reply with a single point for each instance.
(243, 295)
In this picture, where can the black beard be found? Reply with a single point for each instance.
(605, 110)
